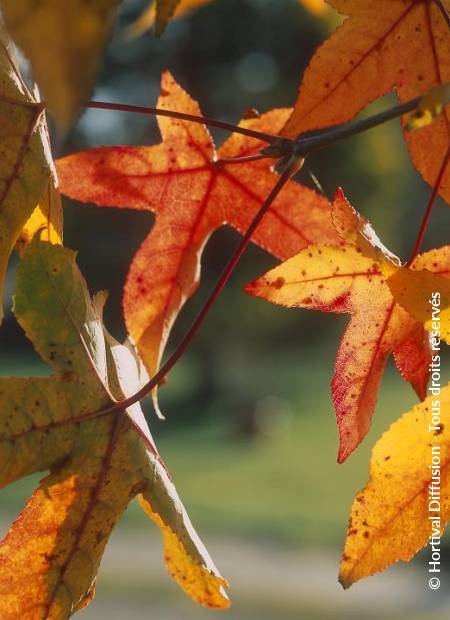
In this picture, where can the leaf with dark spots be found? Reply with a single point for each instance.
(354, 279)
(192, 197)
(50, 556)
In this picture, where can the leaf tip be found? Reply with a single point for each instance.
(339, 194)
(344, 581)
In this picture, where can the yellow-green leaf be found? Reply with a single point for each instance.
(25, 163)
(50, 556)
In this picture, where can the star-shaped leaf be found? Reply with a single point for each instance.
(353, 279)
(192, 196)
(401, 45)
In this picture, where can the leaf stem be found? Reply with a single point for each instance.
(279, 146)
(429, 209)
(293, 152)
(443, 10)
(202, 120)
(294, 165)
(313, 141)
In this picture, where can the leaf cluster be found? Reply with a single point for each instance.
(84, 423)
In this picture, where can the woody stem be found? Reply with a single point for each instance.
(313, 141)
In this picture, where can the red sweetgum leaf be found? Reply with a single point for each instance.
(191, 196)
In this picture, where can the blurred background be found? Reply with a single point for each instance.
(250, 435)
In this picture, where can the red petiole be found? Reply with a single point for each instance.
(429, 209)
(203, 120)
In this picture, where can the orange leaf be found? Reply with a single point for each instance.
(382, 46)
(352, 279)
(192, 197)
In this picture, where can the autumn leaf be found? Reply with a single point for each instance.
(352, 279)
(192, 196)
(159, 13)
(390, 517)
(401, 45)
(50, 556)
(25, 168)
(414, 290)
(64, 42)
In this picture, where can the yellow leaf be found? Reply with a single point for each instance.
(318, 7)
(64, 42)
(430, 106)
(188, 563)
(425, 296)
(353, 228)
(46, 218)
(390, 517)
(354, 279)
(25, 162)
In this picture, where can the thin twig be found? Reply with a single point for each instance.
(429, 209)
(292, 151)
(443, 10)
(202, 120)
